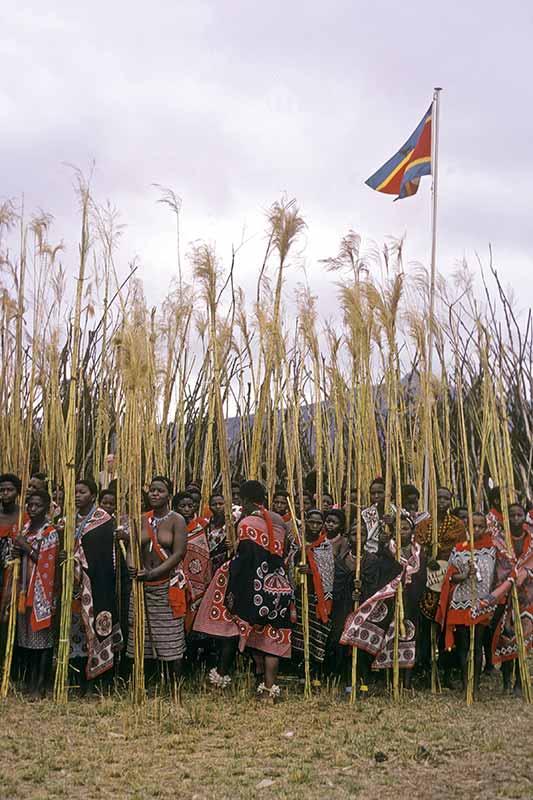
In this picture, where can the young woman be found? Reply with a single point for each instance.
(373, 515)
(449, 531)
(37, 546)
(10, 488)
(108, 501)
(327, 502)
(371, 627)
(248, 601)
(319, 572)
(513, 565)
(216, 532)
(280, 504)
(95, 634)
(465, 585)
(343, 588)
(162, 548)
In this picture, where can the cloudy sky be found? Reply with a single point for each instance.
(234, 103)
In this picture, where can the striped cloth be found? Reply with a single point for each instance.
(318, 631)
(164, 635)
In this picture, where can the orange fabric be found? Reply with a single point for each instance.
(270, 529)
(12, 530)
(449, 532)
(43, 573)
(445, 597)
(177, 600)
(323, 606)
(443, 617)
(197, 522)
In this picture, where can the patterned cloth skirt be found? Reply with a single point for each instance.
(164, 635)
(78, 638)
(30, 639)
(318, 631)
(214, 619)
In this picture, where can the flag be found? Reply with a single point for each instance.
(401, 174)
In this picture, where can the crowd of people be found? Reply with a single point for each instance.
(209, 593)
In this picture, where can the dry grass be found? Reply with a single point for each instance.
(231, 747)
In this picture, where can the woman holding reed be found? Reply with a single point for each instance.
(319, 573)
(514, 565)
(468, 581)
(447, 532)
(374, 516)
(343, 587)
(10, 488)
(372, 627)
(95, 634)
(37, 546)
(163, 544)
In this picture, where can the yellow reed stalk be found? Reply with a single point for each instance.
(285, 224)
(14, 568)
(358, 541)
(466, 468)
(220, 341)
(136, 367)
(294, 465)
(69, 465)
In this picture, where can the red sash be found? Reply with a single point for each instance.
(323, 606)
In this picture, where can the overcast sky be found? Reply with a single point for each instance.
(233, 103)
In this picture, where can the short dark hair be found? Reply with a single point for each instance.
(90, 484)
(280, 493)
(104, 492)
(455, 511)
(517, 505)
(314, 511)
(409, 489)
(339, 513)
(179, 496)
(8, 477)
(494, 495)
(215, 494)
(42, 494)
(253, 491)
(39, 475)
(376, 481)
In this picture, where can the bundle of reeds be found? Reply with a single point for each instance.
(269, 391)
(69, 440)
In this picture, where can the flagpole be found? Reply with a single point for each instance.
(434, 197)
(430, 500)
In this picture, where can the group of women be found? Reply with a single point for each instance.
(285, 576)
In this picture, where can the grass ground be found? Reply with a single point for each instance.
(206, 746)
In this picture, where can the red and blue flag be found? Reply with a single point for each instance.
(401, 174)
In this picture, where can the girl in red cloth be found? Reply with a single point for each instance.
(319, 569)
(513, 565)
(10, 487)
(38, 547)
(465, 585)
